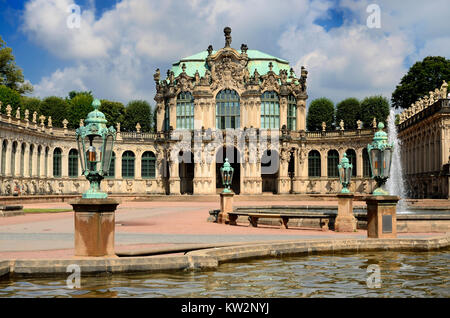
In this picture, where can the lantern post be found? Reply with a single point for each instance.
(226, 197)
(345, 220)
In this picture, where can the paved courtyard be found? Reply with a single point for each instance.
(141, 225)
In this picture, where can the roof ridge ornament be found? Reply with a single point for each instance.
(227, 32)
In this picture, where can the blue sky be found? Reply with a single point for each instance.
(121, 43)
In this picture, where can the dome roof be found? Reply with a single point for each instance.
(256, 60)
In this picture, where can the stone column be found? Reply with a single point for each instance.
(42, 163)
(64, 163)
(174, 180)
(301, 114)
(17, 160)
(381, 216)
(283, 176)
(7, 162)
(226, 206)
(345, 220)
(283, 111)
(173, 112)
(94, 227)
(359, 163)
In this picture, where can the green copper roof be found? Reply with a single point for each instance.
(257, 60)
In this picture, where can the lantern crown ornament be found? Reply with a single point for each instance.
(227, 172)
(345, 173)
(95, 143)
(380, 158)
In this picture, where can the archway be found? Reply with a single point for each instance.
(186, 172)
(270, 163)
(234, 159)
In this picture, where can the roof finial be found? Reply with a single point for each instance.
(227, 32)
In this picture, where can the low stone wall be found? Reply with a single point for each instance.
(211, 258)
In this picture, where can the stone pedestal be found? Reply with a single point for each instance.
(226, 205)
(345, 220)
(382, 216)
(94, 227)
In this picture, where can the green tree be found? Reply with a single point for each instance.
(114, 111)
(320, 110)
(348, 110)
(374, 107)
(33, 104)
(10, 74)
(9, 96)
(421, 78)
(56, 107)
(138, 111)
(78, 108)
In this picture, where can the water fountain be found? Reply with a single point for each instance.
(395, 184)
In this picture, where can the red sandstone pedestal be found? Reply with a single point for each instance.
(382, 216)
(226, 205)
(345, 220)
(94, 227)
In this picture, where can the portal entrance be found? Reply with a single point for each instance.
(233, 156)
(186, 172)
(270, 162)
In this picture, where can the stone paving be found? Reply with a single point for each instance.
(141, 225)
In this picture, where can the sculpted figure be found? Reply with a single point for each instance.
(18, 113)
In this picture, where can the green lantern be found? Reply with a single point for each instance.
(380, 158)
(345, 173)
(95, 143)
(227, 175)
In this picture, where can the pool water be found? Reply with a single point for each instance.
(401, 274)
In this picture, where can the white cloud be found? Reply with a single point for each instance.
(116, 54)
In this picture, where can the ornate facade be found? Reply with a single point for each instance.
(244, 105)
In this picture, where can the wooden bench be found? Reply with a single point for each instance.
(284, 218)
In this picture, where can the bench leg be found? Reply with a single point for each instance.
(284, 222)
(232, 219)
(253, 221)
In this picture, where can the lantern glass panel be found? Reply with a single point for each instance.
(375, 155)
(387, 158)
(81, 153)
(341, 173)
(348, 174)
(231, 175)
(107, 153)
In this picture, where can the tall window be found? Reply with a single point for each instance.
(270, 110)
(351, 155)
(166, 117)
(46, 162)
(228, 109)
(4, 146)
(13, 158)
(30, 160)
(185, 111)
(291, 113)
(22, 158)
(112, 166)
(332, 163)
(57, 162)
(38, 163)
(314, 163)
(73, 163)
(128, 164)
(148, 165)
(367, 173)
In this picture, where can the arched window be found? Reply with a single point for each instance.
(314, 163)
(332, 163)
(128, 164)
(22, 158)
(73, 163)
(38, 163)
(367, 173)
(228, 109)
(13, 158)
(57, 162)
(291, 112)
(185, 111)
(46, 162)
(270, 110)
(30, 160)
(112, 166)
(351, 155)
(148, 165)
(4, 146)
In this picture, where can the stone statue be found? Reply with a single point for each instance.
(42, 118)
(425, 101)
(341, 124)
(197, 77)
(227, 32)
(244, 48)
(118, 127)
(81, 122)
(324, 126)
(18, 113)
(27, 114)
(431, 98)
(49, 121)
(444, 88)
(138, 128)
(413, 109)
(210, 49)
(8, 110)
(65, 122)
(256, 76)
(359, 124)
(374, 123)
(34, 117)
(157, 76)
(183, 67)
